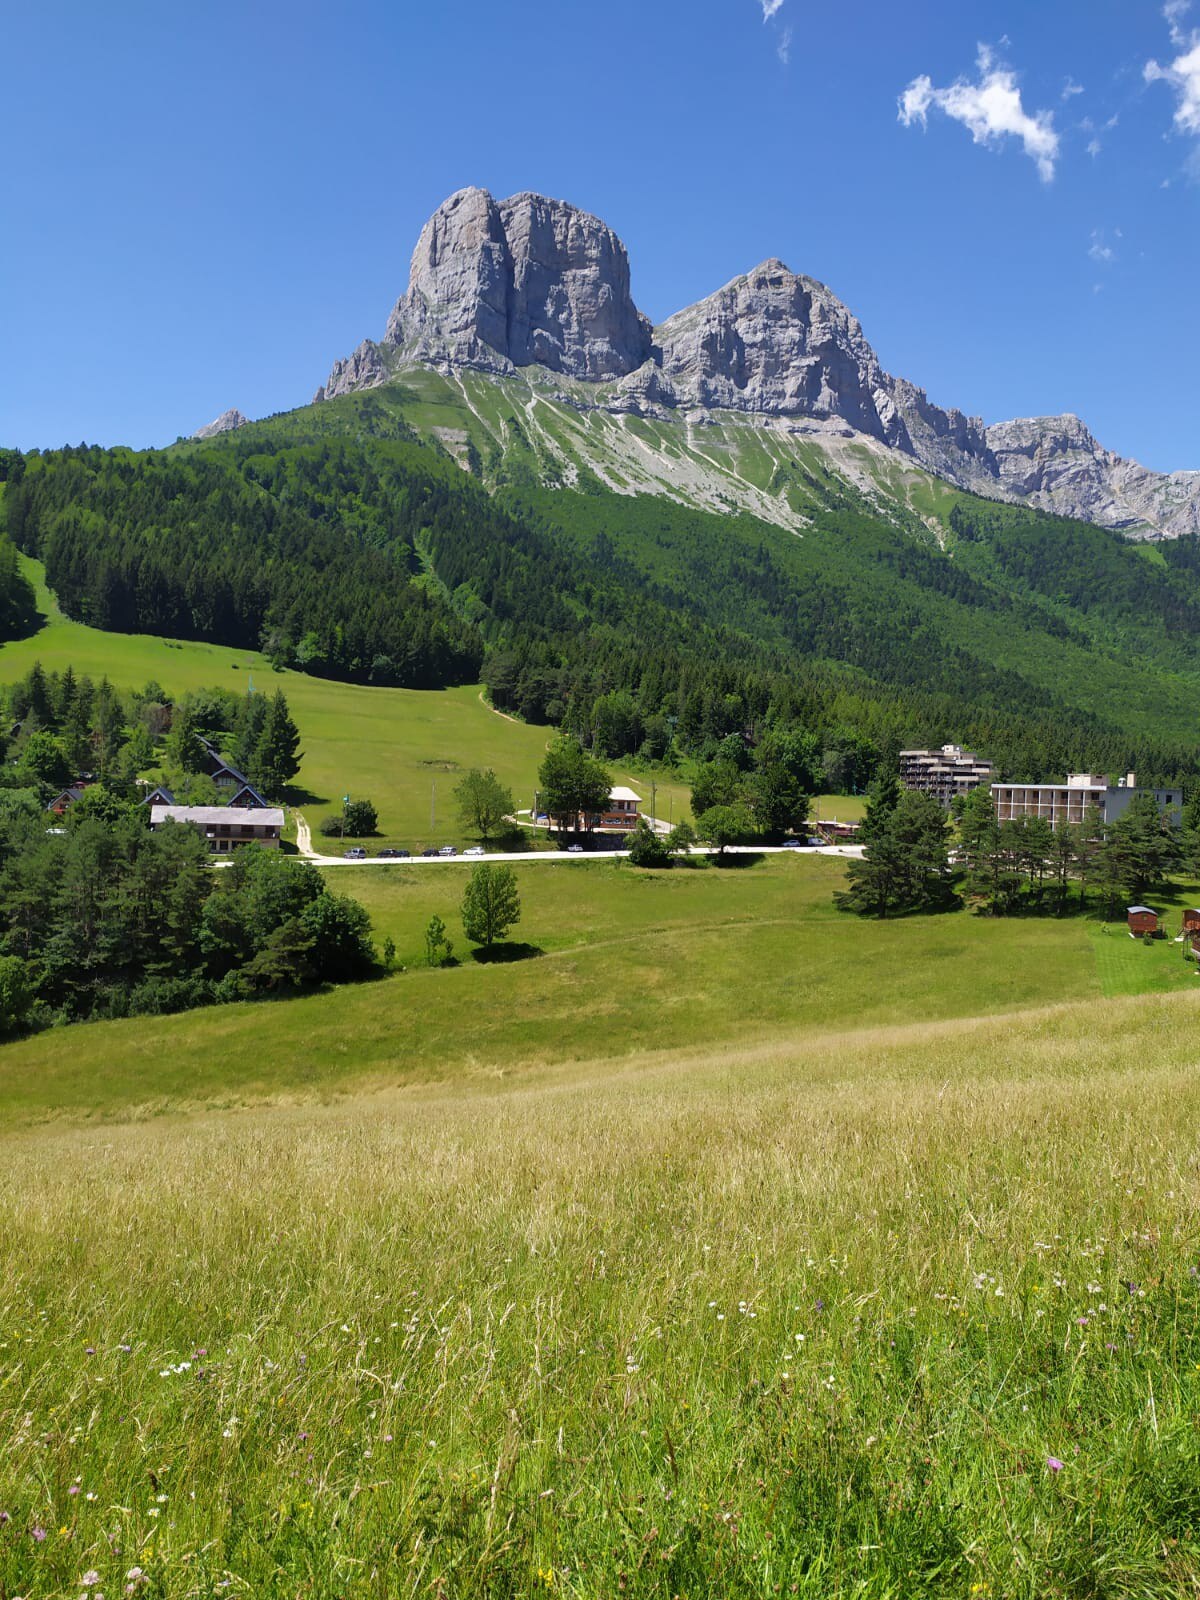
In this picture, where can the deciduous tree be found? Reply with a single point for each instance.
(483, 803)
(491, 904)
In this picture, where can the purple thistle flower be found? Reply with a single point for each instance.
(74, 1489)
(1054, 1463)
(37, 1533)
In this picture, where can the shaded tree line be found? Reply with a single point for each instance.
(61, 725)
(915, 861)
(108, 918)
(310, 557)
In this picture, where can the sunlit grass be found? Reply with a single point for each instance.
(629, 961)
(818, 1316)
(404, 749)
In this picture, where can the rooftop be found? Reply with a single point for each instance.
(219, 816)
(620, 793)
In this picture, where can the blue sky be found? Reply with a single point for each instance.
(206, 205)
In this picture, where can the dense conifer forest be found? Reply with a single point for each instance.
(643, 626)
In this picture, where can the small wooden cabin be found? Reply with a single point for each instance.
(1191, 920)
(66, 798)
(1142, 920)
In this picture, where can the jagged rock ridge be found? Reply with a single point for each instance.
(510, 283)
(225, 423)
(528, 281)
(1057, 465)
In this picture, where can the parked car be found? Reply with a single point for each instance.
(793, 844)
(391, 854)
(432, 851)
(574, 849)
(816, 843)
(355, 853)
(474, 850)
(447, 850)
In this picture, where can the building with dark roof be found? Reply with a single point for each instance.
(226, 827)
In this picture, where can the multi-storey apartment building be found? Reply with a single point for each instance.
(1069, 802)
(944, 773)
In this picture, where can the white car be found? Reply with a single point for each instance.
(447, 850)
(475, 850)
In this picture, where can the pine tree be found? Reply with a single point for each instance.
(905, 866)
(276, 756)
(184, 749)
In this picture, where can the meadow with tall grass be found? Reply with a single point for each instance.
(904, 1311)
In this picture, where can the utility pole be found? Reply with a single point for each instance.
(653, 800)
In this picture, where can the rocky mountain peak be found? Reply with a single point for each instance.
(225, 423)
(499, 285)
(1056, 463)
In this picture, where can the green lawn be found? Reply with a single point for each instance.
(1128, 966)
(402, 748)
(893, 1312)
(630, 961)
(838, 808)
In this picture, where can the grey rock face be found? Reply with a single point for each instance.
(510, 283)
(502, 284)
(780, 344)
(1057, 465)
(225, 423)
(365, 368)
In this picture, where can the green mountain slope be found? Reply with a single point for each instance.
(720, 577)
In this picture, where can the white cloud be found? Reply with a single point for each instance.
(784, 48)
(1094, 148)
(990, 109)
(1183, 74)
(770, 7)
(1099, 251)
(1175, 11)
(1071, 88)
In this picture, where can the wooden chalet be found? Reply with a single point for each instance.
(66, 798)
(224, 828)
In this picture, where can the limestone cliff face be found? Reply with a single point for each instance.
(781, 344)
(225, 423)
(498, 285)
(510, 283)
(1057, 465)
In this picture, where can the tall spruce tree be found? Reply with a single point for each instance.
(277, 754)
(906, 863)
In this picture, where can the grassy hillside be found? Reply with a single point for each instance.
(845, 593)
(392, 745)
(617, 961)
(905, 1310)
(822, 549)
